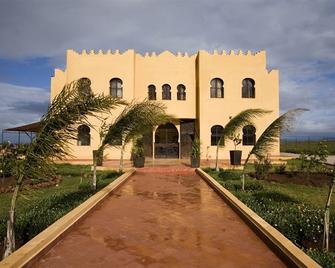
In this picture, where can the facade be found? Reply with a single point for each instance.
(202, 91)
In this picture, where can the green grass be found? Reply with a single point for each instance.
(295, 210)
(292, 146)
(38, 208)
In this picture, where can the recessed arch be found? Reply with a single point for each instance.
(167, 141)
(181, 92)
(84, 136)
(249, 135)
(166, 92)
(216, 134)
(116, 88)
(152, 92)
(217, 88)
(248, 88)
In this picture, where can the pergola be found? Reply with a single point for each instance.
(29, 130)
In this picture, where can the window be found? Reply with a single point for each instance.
(166, 93)
(84, 86)
(217, 88)
(84, 136)
(181, 94)
(216, 133)
(115, 86)
(249, 135)
(248, 88)
(152, 92)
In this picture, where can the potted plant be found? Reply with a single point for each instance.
(138, 153)
(195, 156)
(235, 155)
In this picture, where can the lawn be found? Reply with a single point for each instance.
(296, 146)
(38, 208)
(295, 210)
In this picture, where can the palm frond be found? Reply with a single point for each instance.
(272, 133)
(240, 120)
(73, 105)
(136, 119)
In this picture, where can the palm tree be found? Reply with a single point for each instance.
(270, 136)
(74, 104)
(235, 124)
(135, 120)
(326, 217)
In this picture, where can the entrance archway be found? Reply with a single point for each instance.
(166, 141)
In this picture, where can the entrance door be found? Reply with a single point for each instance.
(166, 141)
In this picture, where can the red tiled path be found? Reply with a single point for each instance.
(161, 219)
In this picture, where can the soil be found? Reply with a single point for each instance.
(7, 184)
(302, 178)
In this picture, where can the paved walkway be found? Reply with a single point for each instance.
(161, 219)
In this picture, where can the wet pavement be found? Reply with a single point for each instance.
(161, 219)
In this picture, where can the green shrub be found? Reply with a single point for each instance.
(262, 168)
(325, 259)
(280, 169)
(228, 174)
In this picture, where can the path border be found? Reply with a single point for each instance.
(281, 245)
(40, 244)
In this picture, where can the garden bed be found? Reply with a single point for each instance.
(296, 210)
(317, 179)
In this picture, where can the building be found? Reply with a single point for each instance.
(203, 91)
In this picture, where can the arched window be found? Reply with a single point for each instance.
(248, 88)
(249, 135)
(152, 92)
(217, 90)
(84, 86)
(181, 92)
(216, 133)
(84, 136)
(115, 87)
(166, 92)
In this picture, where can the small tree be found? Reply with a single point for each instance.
(234, 125)
(134, 120)
(270, 136)
(71, 106)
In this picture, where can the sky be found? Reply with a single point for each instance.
(298, 35)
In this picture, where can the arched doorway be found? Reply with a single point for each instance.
(166, 141)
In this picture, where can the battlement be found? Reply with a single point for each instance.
(167, 53)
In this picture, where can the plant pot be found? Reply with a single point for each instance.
(235, 157)
(195, 161)
(98, 157)
(138, 161)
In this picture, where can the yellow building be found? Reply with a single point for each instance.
(203, 91)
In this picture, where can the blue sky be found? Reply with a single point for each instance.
(298, 35)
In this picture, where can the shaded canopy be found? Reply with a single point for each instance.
(33, 127)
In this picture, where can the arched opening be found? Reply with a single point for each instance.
(248, 88)
(152, 92)
(181, 92)
(84, 86)
(217, 89)
(84, 136)
(249, 135)
(166, 92)
(166, 141)
(216, 134)
(116, 88)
